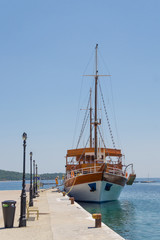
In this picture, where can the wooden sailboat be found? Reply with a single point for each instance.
(92, 174)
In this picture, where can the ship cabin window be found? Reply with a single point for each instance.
(89, 158)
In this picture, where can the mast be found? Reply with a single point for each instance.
(95, 119)
(90, 118)
(96, 123)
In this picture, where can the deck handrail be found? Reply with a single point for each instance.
(94, 169)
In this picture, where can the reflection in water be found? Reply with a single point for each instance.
(136, 215)
(118, 215)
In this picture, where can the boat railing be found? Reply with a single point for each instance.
(129, 165)
(94, 169)
(114, 170)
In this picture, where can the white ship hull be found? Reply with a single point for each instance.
(83, 192)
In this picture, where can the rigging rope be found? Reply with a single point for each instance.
(103, 142)
(109, 126)
(101, 137)
(86, 116)
(84, 149)
(77, 118)
(112, 98)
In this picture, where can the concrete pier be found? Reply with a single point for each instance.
(58, 219)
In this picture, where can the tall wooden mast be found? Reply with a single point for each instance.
(95, 114)
(90, 118)
(96, 123)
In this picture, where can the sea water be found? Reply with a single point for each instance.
(136, 215)
(17, 185)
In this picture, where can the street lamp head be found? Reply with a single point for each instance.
(24, 136)
(31, 154)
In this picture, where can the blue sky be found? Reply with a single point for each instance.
(44, 49)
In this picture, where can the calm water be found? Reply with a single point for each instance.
(17, 185)
(136, 215)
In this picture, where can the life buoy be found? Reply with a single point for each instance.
(72, 174)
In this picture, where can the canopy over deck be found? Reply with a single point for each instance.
(82, 151)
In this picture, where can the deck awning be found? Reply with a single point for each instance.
(82, 151)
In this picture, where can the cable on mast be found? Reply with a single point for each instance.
(84, 123)
(109, 126)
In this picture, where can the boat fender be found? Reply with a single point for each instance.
(126, 175)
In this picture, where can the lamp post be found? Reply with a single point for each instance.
(31, 189)
(22, 220)
(36, 180)
(34, 183)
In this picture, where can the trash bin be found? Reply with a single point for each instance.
(8, 212)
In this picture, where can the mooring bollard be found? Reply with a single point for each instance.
(72, 200)
(64, 194)
(98, 219)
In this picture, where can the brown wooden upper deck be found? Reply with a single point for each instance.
(82, 151)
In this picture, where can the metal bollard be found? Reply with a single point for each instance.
(64, 194)
(72, 200)
(98, 219)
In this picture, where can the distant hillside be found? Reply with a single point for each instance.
(50, 176)
(11, 176)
